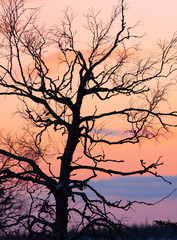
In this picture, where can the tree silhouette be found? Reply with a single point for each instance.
(70, 103)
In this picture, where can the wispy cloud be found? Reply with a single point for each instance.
(137, 187)
(109, 132)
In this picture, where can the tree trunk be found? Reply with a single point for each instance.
(63, 191)
(60, 228)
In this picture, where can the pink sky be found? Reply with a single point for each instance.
(158, 20)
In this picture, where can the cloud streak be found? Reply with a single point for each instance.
(136, 188)
(141, 188)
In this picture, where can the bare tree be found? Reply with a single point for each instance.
(111, 69)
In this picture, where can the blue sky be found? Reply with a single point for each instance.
(137, 187)
(141, 188)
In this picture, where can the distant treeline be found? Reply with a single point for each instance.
(143, 232)
(135, 232)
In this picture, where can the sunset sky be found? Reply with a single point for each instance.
(158, 20)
